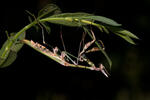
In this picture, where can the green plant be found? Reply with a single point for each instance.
(52, 14)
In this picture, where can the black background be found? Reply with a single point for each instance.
(35, 77)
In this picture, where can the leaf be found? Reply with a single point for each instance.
(48, 10)
(128, 33)
(78, 19)
(76, 15)
(127, 38)
(8, 52)
(4, 52)
(87, 16)
(10, 59)
(68, 19)
(46, 26)
(18, 45)
(125, 34)
(30, 19)
(103, 20)
(1, 61)
(122, 31)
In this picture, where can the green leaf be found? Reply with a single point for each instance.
(30, 19)
(48, 10)
(78, 19)
(103, 20)
(10, 59)
(87, 16)
(4, 52)
(73, 15)
(17, 44)
(1, 61)
(68, 19)
(122, 31)
(127, 38)
(8, 53)
(46, 26)
(127, 33)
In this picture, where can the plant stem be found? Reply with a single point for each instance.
(25, 28)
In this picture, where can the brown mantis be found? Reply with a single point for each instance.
(63, 56)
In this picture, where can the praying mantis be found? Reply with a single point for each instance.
(64, 59)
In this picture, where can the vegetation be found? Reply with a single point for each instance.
(52, 14)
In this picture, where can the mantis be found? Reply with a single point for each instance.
(64, 58)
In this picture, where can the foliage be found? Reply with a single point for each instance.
(9, 50)
(52, 14)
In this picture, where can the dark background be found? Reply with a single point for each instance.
(35, 77)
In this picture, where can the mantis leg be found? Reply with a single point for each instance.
(87, 45)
